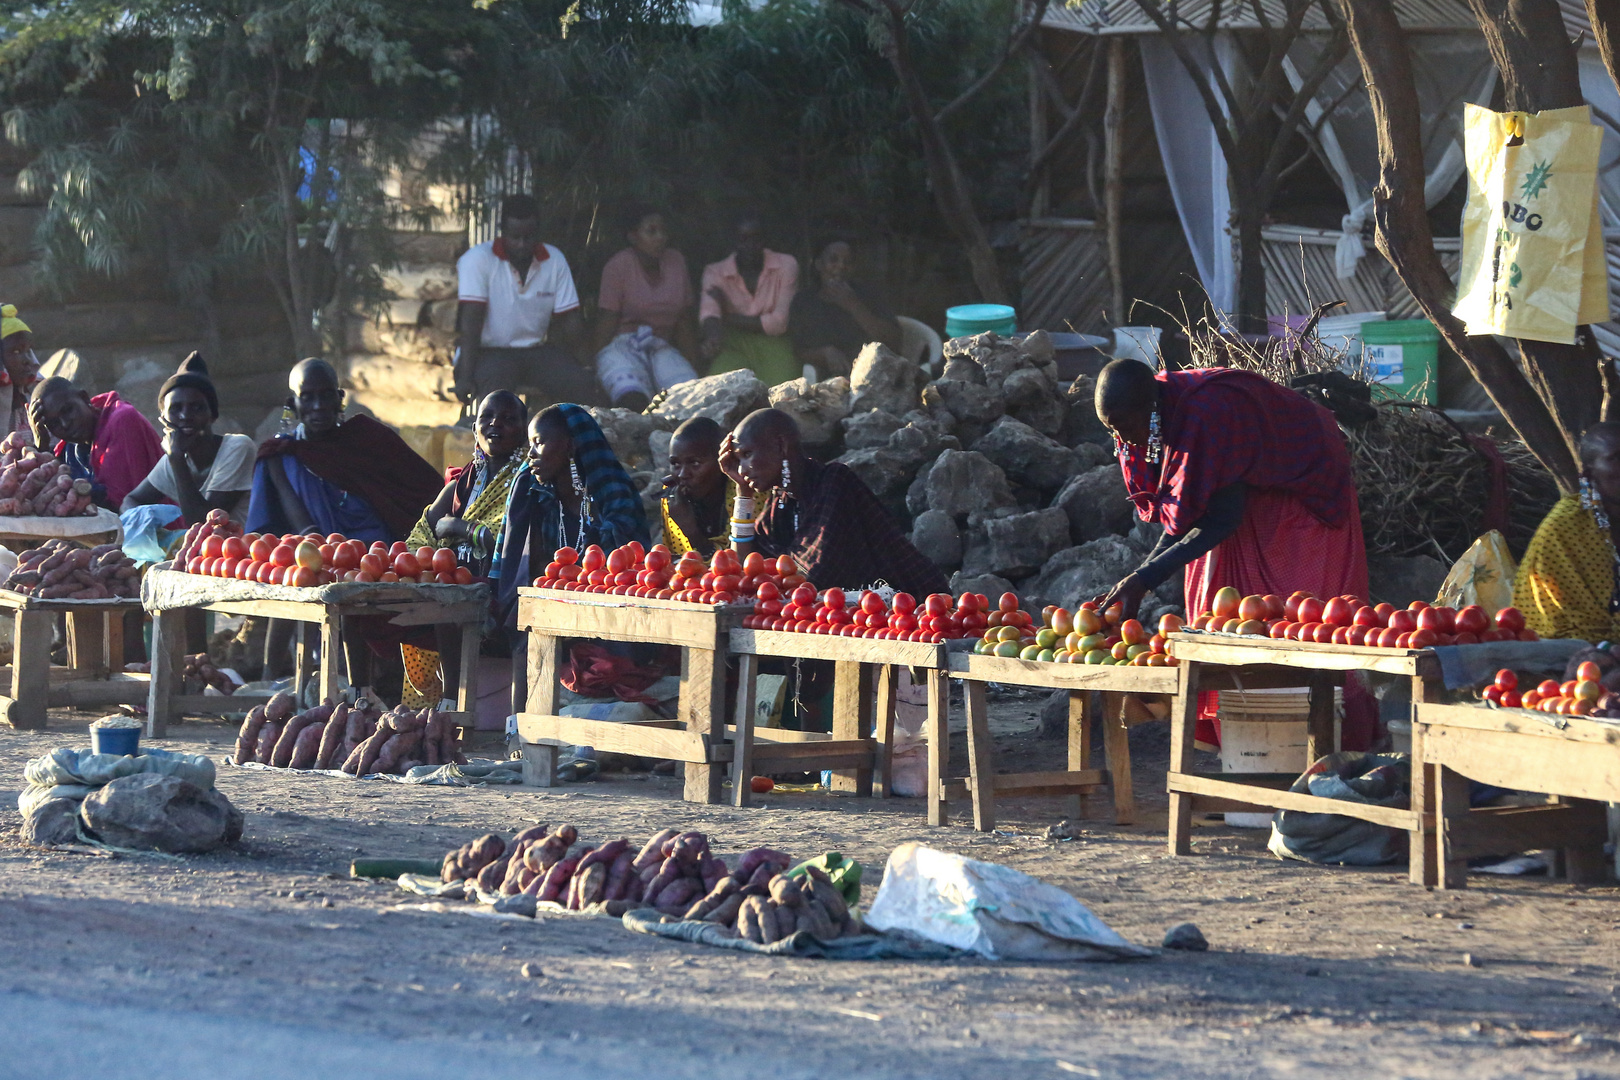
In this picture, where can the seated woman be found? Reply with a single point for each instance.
(356, 476)
(1568, 585)
(831, 320)
(199, 471)
(103, 439)
(819, 513)
(468, 515)
(697, 496)
(571, 492)
(646, 329)
(21, 368)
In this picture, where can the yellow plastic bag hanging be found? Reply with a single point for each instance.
(1483, 576)
(1533, 263)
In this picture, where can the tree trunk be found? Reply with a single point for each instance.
(951, 194)
(1250, 209)
(1604, 16)
(1403, 234)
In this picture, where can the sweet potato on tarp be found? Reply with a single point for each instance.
(754, 858)
(280, 707)
(451, 871)
(491, 876)
(652, 853)
(711, 870)
(370, 750)
(677, 895)
(308, 747)
(748, 920)
(592, 882)
(722, 890)
(332, 737)
(551, 887)
(619, 876)
(668, 872)
(268, 734)
(281, 756)
(726, 913)
(247, 740)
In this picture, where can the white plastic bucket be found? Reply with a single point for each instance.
(1138, 343)
(1264, 731)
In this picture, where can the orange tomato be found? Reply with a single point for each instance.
(1226, 602)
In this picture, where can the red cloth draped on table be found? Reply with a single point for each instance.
(1301, 526)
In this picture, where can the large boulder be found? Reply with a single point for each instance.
(887, 474)
(1032, 398)
(658, 452)
(818, 408)
(936, 536)
(969, 403)
(1027, 457)
(1080, 421)
(1096, 504)
(1080, 573)
(51, 822)
(1016, 546)
(725, 398)
(883, 379)
(162, 813)
(629, 432)
(963, 482)
(866, 430)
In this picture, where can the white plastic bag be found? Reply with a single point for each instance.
(989, 909)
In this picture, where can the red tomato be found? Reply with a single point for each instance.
(1510, 618)
(1511, 699)
(968, 602)
(1323, 634)
(444, 561)
(1549, 688)
(833, 600)
(1421, 639)
(1341, 635)
(373, 564)
(398, 547)
(328, 553)
(1402, 621)
(234, 547)
(937, 604)
(345, 557)
(1291, 606)
(657, 559)
(303, 577)
(277, 574)
(595, 558)
(390, 575)
(1360, 634)
(1465, 639)
(1338, 612)
(212, 547)
(1472, 620)
(618, 560)
(566, 555)
(1507, 679)
(1492, 695)
(1310, 610)
(406, 565)
(1008, 601)
(260, 549)
(1529, 635)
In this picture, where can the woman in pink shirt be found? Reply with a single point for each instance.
(744, 308)
(644, 326)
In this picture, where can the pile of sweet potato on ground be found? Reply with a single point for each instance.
(34, 484)
(200, 672)
(357, 739)
(674, 873)
(67, 570)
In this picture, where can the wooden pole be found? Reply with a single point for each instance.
(1114, 170)
(1040, 202)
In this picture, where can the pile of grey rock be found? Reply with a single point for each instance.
(1005, 475)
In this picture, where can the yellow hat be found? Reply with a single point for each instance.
(9, 323)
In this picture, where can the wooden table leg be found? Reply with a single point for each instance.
(939, 744)
(883, 703)
(981, 756)
(30, 669)
(703, 701)
(1584, 864)
(540, 759)
(1117, 757)
(1451, 801)
(115, 642)
(86, 634)
(467, 691)
(301, 663)
(1082, 708)
(742, 743)
(1183, 725)
(331, 651)
(852, 719)
(1423, 850)
(1319, 719)
(168, 667)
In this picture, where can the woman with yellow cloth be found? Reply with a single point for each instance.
(1568, 585)
(468, 515)
(697, 496)
(19, 369)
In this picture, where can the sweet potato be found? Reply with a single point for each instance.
(268, 734)
(604, 854)
(762, 875)
(354, 726)
(451, 871)
(713, 899)
(689, 847)
(748, 921)
(813, 919)
(668, 872)
(400, 746)
(491, 876)
(280, 707)
(635, 889)
(283, 752)
(332, 737)
(370, 750)
(769, 928)
(756, 857)
(785, 891)
(247, 740)
(511, 880)
(544, 855)
(677, 895)
(486, 849)
(619, 876)
(828, 896)
(725, 913)
(556, 878)
(652, 852)
(787, 921)
(711, 870)
(308, 747)
(592, 883)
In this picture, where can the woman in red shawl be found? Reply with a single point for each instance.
(1251, 482)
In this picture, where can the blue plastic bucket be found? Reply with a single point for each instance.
(968, 319)
(122, 741)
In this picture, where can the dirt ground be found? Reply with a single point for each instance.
(248, 957)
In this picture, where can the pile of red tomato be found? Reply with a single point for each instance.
(805, 612)
(1347, 620)
(305, 561)
(1579, 696)
(632, 570)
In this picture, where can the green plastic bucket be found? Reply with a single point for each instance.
(1402, 357)
(966, 320)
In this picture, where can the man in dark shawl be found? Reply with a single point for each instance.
(355, 476)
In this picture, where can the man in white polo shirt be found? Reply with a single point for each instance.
(519, 321)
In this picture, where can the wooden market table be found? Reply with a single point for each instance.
(167, 593)
(94, 674)
(1226, 661)
(696, 737)
(26, 533)
(1574, 759)
(866, 676)
(1080, 680)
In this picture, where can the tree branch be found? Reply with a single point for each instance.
(1015, 44)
